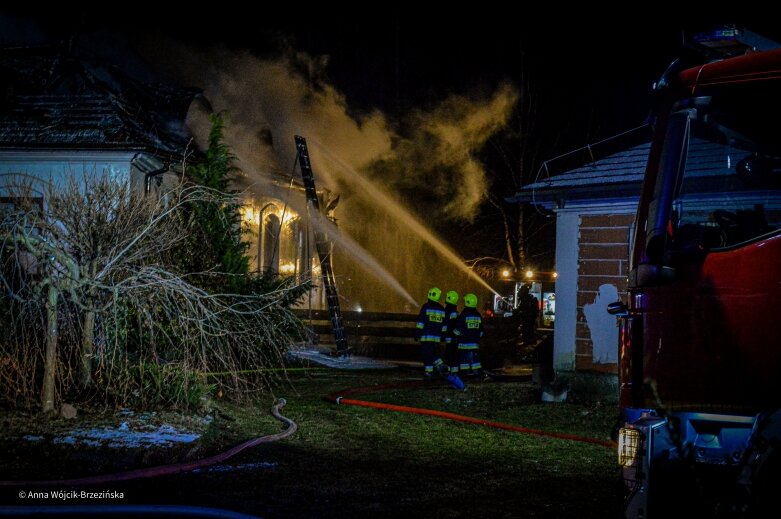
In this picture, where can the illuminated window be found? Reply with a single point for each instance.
(271, 244)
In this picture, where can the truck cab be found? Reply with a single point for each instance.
(700, 341)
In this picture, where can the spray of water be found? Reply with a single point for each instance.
(398, 212)
(269, 101)
(368, 262)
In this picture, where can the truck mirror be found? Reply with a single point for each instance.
(618, 308)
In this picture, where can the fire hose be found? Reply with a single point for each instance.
(176, 468)
(338, 398)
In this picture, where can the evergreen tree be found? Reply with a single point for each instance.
(215, 249)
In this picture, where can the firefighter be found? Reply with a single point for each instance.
(430, 328)
(451, 342)
(469, 330)
(530, 312)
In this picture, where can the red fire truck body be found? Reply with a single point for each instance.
(700, 346)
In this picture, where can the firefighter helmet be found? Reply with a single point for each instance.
(434, 294)
(452, 297)
(470, 301)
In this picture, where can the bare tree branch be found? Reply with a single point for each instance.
(95, 258)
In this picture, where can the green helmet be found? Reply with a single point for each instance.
(470, 301)
(452, 297)
(434, 294)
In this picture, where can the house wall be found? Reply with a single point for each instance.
(564, 337)
(603, 266)
(279, 241)
(58, 166)
(592, 260)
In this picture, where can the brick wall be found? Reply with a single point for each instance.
(603, 244)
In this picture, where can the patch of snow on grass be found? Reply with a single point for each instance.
(122, 437)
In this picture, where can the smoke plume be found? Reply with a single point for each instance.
(429, 156)
(438, 153)
(268, 101)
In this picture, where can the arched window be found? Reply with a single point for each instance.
(271, 244)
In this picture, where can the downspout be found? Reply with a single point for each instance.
(151, 166)
(148, 178)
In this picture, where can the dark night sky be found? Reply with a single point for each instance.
(592, 76)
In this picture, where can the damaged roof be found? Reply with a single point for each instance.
(50, 99)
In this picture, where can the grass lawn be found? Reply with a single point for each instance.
(348, 461)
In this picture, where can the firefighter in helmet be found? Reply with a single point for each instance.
(451, 341)
(469, 330)
(429, 330)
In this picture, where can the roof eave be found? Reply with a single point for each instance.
(168, 155)
(554, 197)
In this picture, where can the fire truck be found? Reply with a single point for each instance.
(700, 333)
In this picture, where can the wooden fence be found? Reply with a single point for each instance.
(391, 335)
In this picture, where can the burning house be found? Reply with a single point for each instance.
(63, 117)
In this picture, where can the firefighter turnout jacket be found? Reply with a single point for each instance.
(469, 329)
(431, 323)
(451, 314)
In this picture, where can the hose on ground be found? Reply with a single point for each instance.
(176, 468)
(339, 398)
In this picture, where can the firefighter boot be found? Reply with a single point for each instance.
(456, 382)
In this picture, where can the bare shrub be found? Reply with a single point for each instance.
(93, 300)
